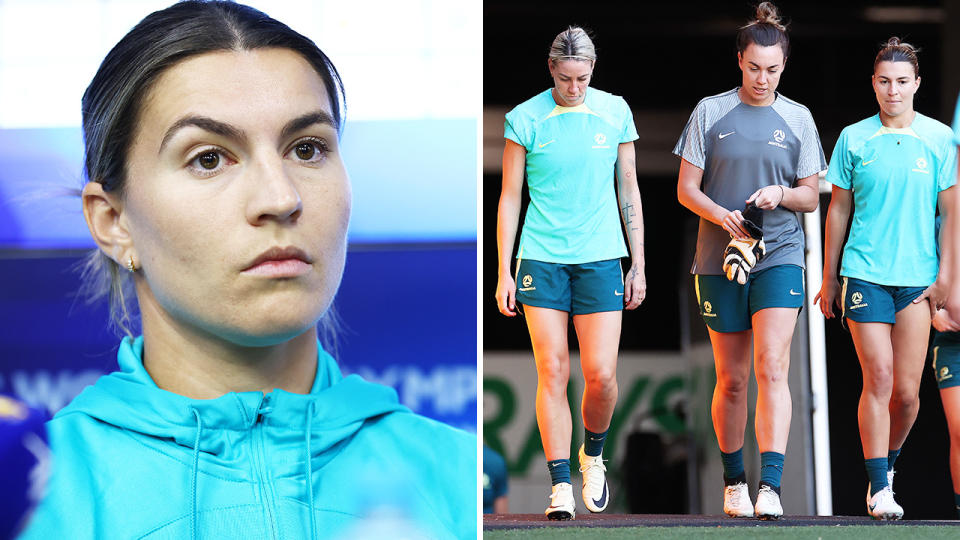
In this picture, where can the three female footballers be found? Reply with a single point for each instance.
(891, 170)
(751, 145)
(569, 141)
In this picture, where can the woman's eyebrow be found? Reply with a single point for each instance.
(207, 124)
(307, 120)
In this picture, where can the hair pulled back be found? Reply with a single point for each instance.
(572, 44)
(895, 50)
(764, 30)
(112, 102)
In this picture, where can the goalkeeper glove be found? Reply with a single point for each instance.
(741, 256)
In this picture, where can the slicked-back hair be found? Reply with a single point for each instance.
(895, 50)
(572, 44)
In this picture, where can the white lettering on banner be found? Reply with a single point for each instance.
(451, 389)
(50, 390)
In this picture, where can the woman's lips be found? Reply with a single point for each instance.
(278, 262)
(284, 268)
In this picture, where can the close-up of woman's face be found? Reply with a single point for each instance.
(895, 84)
(570, 80)
(761, 67)
(237, 201)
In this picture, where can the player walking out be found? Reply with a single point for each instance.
(892, 170)
(946, 368)
(751, 145)
(569, 141)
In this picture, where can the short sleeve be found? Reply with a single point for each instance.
(948, 169)
(840, 168)
(518, 131)
(691, 144)
(811, 159)
(629, 132)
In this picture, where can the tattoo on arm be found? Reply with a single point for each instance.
(629, 212)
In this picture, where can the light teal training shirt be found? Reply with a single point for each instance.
(573, 217)
(896, 175)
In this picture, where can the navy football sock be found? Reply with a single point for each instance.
(733, 467)
(771, 468)
(877, 473)
(559, 471)
(593, 442)
(892, 456)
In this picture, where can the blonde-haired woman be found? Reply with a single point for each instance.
(569, 141)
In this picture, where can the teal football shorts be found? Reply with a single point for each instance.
(727, 306)
(577, 289)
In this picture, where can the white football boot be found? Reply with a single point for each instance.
(882, 506)
(596, 493)
(562, 504)
(736, 500)
(768, 503)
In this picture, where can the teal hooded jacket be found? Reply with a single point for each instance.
(131, 460)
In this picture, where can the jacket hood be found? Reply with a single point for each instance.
(334, 410)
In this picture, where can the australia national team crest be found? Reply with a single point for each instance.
(921, 166)
(601, 141)
(778, 137)
(527, 283)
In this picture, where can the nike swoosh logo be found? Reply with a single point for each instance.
(618, 293)
(865, 163)
(546, 143)
(603, 497)
(722, 135)
(794, 293)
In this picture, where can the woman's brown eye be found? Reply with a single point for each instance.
(305, 151)
(209, 161)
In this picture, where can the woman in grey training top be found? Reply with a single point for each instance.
(752, 146)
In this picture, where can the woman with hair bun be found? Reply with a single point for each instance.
(892, 170)
(218, 196)
(570, 141)
(751, 146)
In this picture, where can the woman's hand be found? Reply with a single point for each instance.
(828, 297)
(634, 288)
(943, 322)
(733, 224)
(767, 197)
(506, 295)
(936, 294)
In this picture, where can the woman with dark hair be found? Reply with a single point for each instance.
(892, 171)
(753, 146)
(569, 141)
(217, 192)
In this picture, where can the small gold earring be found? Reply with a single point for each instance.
(130, 265)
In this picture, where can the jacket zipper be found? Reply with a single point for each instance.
(266, 487)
